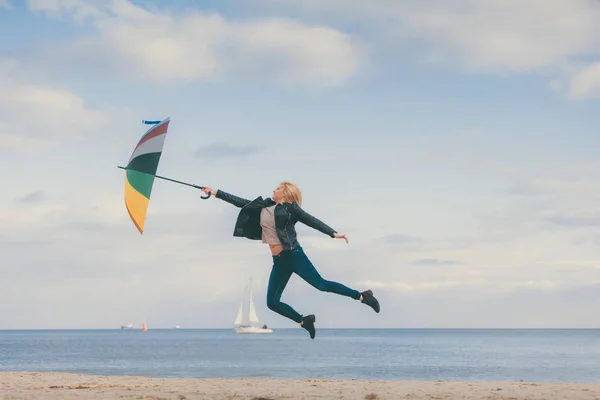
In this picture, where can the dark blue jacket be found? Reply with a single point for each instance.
(286, 216)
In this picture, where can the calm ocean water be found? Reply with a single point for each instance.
(447, 354)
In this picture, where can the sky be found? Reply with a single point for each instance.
(454, 143)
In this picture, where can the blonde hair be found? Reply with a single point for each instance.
(292, 192)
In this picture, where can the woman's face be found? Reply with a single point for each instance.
(278, 195)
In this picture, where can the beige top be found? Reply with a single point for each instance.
(267, 222)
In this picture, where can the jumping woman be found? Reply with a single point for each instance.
(273, 221)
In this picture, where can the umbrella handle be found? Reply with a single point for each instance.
(203, 197)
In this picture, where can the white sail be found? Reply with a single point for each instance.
(252, 317)
(252, 325)
(240, 315)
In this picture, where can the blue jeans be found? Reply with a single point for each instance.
(295, 261)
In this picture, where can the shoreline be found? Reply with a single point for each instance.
(57, 385)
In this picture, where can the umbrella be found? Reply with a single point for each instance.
(141, 171)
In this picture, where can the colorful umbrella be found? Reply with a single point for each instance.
(141, 171)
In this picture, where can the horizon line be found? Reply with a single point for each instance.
(295, 328)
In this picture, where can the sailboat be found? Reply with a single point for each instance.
(252, 325)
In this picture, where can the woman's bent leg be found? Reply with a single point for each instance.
(280, 275)
(306, 270)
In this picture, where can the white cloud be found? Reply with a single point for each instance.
(34, 117)
(586, 83)
(13, 142)
(412, 287)
(500, 36)
(5, 4)
(505, 36)
(44, 108)
(78, 9)
(136, 44)
(477, 284)
(87, 247)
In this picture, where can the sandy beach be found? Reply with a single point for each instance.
(33, 385)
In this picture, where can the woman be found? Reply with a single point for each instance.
(273, 221)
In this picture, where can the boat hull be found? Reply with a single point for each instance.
(251, 329)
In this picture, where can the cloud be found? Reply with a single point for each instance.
(13, 142)
(478, 284)
(574, 219)
(32, 197)
(501, 36)
(400, 239)
(412, 287)
(434, 261)
(586, 83)
(557, 204)
(554, 186)
(48, 107)
(224, 150)
(139, 45)
(5, 4)
(77, 9)
(35, 117)
(184, 263)
(87, 247)
(497, 37)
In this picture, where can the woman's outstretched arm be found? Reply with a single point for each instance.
(315, 223)
(228, 197)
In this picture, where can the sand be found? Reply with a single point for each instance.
(33, 385)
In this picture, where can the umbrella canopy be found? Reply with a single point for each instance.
(141, 171)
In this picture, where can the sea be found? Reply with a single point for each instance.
(539, 355)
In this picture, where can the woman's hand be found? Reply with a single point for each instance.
(208, 190)
(340, 236)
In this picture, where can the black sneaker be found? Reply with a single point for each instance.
(370, 300)
(308, 323)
